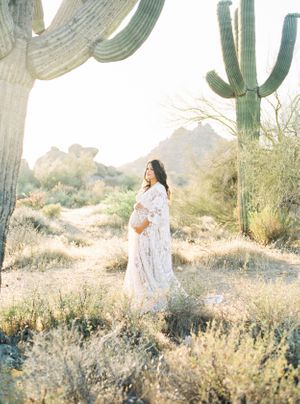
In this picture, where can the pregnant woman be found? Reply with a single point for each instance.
(149, 276)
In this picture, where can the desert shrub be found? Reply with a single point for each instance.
(75, 240)
(63, 367)
(110, 221)
(71, 171)
(25, 216)
(273, 174)
(272, 178)
(20, 236)
(212, 190)
(269, 225)
(72, 197)
(52, 211)
(184, 314)
(61, 194)
(37, 312)
(236, 254)
(117, 260)
(179, 258)
(97, 191)
(270, 308)
(48, 258)
(9, 391)
(229, 366)
(35, 200)
(26, 179)
(120, 203)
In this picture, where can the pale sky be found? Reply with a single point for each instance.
(121, 108)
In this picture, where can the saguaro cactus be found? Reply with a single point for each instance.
(81, 29)
(240, 65)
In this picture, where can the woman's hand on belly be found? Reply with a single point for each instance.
(142, 227)
(138, 206)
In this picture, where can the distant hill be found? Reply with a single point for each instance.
(179, 152)
(58, 164)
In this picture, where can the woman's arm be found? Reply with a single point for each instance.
(142, 227)
(138, 205)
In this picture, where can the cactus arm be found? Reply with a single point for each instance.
(284, 58)
(66, 11)
(229, 52)
(247, 43)
(125, 43)
(236, 30)
(7, 38)
(59, 51)
(219, 86)
(38, 24)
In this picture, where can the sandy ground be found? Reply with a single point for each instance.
(90, 268)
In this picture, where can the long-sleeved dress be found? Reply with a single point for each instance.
(149, 276)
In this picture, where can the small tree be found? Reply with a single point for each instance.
(80, 29)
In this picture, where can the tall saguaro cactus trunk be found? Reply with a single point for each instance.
(80, 29)
(15, 85)
(240, 64)
(247, 106)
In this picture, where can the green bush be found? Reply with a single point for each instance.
(72, 197)
(27, 182)
(120, 203)
(52, 211)
(272, 178)
(71, 171)
(35, 200)
(212, 190)
(273, 174)
(269, 225)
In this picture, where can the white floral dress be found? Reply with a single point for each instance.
(149, 276)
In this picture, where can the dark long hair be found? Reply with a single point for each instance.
(160, 174)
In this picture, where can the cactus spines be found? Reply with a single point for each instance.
(132, 37)
(240, 65)
(79, 25)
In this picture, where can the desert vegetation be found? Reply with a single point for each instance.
(68, 334)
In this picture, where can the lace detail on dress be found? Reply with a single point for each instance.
(149, 276)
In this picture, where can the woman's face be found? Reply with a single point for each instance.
(150, 173)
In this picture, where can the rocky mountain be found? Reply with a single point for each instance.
(180, 152)
(75, 167)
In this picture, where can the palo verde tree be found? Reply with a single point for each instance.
(80, 29)
(240, 65)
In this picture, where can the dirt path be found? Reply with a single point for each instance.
(88, 269)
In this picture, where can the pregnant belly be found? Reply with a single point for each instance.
(137, 217)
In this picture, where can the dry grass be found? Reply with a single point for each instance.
(231, 366)
(87, 344)
(112, 221)
(75, 240)
(90, 346)
(116, 256)
(236, 254)
(45, 255)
